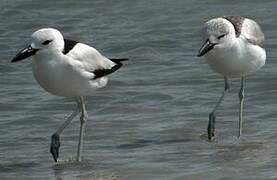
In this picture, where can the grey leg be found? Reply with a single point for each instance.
(212, 116)
(241, 100)
(55, 139)
(83, 119)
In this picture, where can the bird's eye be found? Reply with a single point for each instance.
(46, 42)
(221, 36)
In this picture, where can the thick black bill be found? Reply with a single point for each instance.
(207, 46)
(24, 53)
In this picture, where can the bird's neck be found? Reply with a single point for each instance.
(48, 55)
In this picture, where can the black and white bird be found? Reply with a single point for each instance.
(233, 47)
(70, 69)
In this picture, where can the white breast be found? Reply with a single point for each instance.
(242, 59)
(60, 78)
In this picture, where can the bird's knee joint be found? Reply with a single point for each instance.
(241, 94)
(84, 118)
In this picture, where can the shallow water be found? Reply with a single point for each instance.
(150, 121)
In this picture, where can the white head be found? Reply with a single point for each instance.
(47, 38)
(43, 40)
(218, 34)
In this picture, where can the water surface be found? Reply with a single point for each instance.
(150, 121)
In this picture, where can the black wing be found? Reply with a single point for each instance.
(103, 72)
(68, 45)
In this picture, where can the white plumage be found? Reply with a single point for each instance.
(234, 56)
(68, 74)
(233, 47)
(67, 68)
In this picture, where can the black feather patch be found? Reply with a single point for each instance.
(68, 45)
(237, 23)
(118, 60)
(103, 72)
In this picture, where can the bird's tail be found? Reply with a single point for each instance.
(118, 60)
(104, 72)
